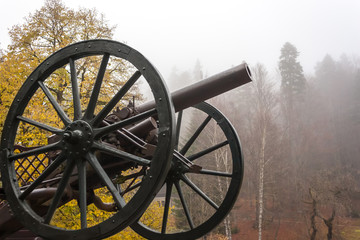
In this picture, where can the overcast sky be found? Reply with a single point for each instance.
(220, 34)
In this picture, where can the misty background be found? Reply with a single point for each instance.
(299, 121)
(219, 34)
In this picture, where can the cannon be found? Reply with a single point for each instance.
(98, 137)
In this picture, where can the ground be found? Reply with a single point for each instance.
(285, 229)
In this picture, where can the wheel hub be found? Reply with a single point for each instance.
(77, 139)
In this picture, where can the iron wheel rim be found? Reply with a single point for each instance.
(231, 195)
(161, 160)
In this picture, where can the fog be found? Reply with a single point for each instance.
(219, 34)
(300, 143)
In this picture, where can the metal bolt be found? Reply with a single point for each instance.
(144, 68)
(119, 50)
(76, 49)
(67, 135)
(160, 99)
(89, 46)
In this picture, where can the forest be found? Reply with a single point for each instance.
(300, 137)
(299, 132)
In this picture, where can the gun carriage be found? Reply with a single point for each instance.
(135, 152)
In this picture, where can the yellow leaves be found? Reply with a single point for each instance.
(44, 32)
(30, 168)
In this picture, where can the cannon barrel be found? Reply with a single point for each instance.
(206, 88)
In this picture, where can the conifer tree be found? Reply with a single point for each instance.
(293, 82)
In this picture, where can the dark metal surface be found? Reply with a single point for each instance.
(81, 138)
(206, 88)
(185, 165)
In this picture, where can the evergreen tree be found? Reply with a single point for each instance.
(293, 86)
(292, 77)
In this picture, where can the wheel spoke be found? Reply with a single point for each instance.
(215, 173)
(120, 202)
(111, 104)
(130, 188)
(35, 151)
(183, 203)
(96, 90)
(207, 151)
(99, 132)
(118, 153)
(184, 150)
(82, 192)
(60, 190)
(178, 127)
(55, 104)
(199, 191)
(167, 205)
(39, 124)
(75, 90)
(51, 168)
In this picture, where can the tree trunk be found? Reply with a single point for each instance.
(227, 224)
(329, 224)
(313, 228)
(261, 181)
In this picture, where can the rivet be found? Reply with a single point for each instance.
(164, 134)
(119, 50)
(76, 49)
(113, 221)
(84, 149)
(31, 79)
(160, 99)
(89, 46)
(144, 68)
(47, 63)
(150, 177)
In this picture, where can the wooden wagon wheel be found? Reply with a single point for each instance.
(195, 177)
(79, 143)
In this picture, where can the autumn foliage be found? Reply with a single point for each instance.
(49, 29)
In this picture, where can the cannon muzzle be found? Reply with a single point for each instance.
(206, 88)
